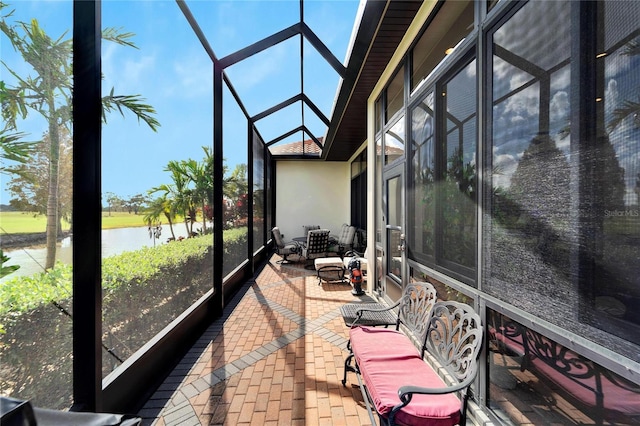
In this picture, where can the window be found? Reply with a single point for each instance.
(359, 193)
(258, 193)
(394, 219)
(235, 187)
(394, 141)
(535, 380)
(378, 113)
(442, 197)
(457, 190)
(422, 211)
(611, 291)
(378, 191)
(440, 39)
(562, 239)
(394, 99)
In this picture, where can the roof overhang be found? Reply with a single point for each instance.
(380, 30)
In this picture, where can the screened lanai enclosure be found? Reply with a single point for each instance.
(141, 118)
(491, 148)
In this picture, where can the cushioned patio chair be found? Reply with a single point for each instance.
(345, 241)
(283, 248)
(307, 228)
(316, 246)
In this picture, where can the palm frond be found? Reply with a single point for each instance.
(628, 108)
(632, 48)
(133, 103)
(115, 35)
(13, 149)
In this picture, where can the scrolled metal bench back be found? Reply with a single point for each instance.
(454, 336)
(415, 307)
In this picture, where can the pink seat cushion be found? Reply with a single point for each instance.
(387, 361)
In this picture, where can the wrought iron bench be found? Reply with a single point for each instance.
(411, 375)
(581, 381)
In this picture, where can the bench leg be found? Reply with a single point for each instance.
(347, 367)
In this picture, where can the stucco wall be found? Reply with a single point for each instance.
(312, 193)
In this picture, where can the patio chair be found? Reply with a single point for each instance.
(316, 246)
(345, 241)
(283, 248)
(307, 228)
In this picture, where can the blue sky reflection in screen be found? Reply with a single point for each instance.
(173, 73)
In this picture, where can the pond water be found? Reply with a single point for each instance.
(114, 241)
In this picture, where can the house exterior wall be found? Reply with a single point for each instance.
(542, 230)
(311, 193)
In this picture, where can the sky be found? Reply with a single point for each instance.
(172, 72)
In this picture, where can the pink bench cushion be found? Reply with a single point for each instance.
(387, 361)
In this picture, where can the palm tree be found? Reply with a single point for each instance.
(159, 207)
(49, 94)
(197, 173)
(178, 191)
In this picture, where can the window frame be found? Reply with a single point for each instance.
(458, 62)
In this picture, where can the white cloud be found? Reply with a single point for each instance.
(616, 64)
(524, 104)
(518, 79)
(253, 71)
(561, 79)
(127, 73)
(194, 75)
(517, 119)
(564, 144)
(611, 96)
(560, 106)
(505, 164)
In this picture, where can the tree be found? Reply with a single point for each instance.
(176, 192)
(113, 201)
(160, 207)
(197, 173)
(236, 184)
(29, 185)
(48, 93)
(133, 204)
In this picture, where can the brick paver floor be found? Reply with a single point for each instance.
(275, 357)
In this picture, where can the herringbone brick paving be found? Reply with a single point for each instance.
(275, 357)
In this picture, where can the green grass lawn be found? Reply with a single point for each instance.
(21, 222)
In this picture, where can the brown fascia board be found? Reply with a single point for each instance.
(367, 28)
(348, 121)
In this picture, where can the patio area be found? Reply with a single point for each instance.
(274, 358)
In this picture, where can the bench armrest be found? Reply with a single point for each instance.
(405, 393)
(361, 311)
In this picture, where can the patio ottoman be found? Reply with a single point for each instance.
(329, 269)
